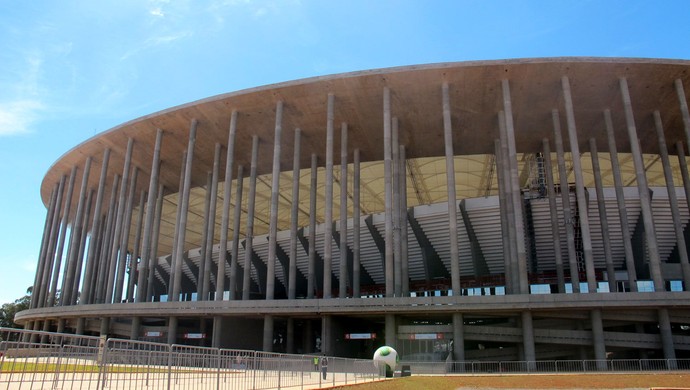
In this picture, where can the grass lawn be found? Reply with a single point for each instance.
(532, 381)
(21, 366)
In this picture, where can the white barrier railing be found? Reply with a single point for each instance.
(31, 359)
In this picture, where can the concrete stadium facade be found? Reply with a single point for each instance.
(496, 210)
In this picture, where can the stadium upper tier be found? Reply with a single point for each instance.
(476, 98)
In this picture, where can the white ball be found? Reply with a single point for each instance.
(386, 355)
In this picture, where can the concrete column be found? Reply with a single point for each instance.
(62, 229)
(290, 336)
(683, 104)
(404, 262)
(515, 187)
(620, 199)
(583, 209)
(389, 256)
(135, 267)
(682, 162)
(553, 211)
(217, 331)
(79, 330)
(107, 243)
(391, 331)
(342, 269)
(105, 326)
(45, 239)
(61, 241)
(510, 247)
(645, 198)
(673, 200)
(153, 254)
(326, 335)
(177, 261)
(82, 248)
(452, 197)
(148, 224)
(115, 251)
(505, 238)
(311, 272)
(124, 238)
(598, 338)
(37, 327)
(75, 238)
(172, 330)
(99, 266)
(178, 218)
(294, 210)
(60, 326)
(134, 263)
(268, 333)
(225, 223)
(308, 336)
(134, 330)
(458, 337)
(328, 210)
(528, 336)
(249, 232)
(211, 226)
(42, 257)
(397, 263)
(356, 265)
(565, 204)
(234, 261)
(87, 285)
(603, 218)
(204, 235)
(666, 334)
(52, 242)
(273, 216)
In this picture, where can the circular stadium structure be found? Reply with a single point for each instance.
(526, 209)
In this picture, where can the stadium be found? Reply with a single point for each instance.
(525, 209)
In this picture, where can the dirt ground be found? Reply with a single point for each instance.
(533, 381)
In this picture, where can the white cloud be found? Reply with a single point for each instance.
(260, 12)
(229, 3)
(156, 41)
(158, 12)
(22, 95)
(16, 117)
(28, 75)
(160, 40)
(28, 265)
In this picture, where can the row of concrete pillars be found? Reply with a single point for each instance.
(99, 233)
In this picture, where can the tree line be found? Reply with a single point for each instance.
(8, 310)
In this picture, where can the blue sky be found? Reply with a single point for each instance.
(72, 69)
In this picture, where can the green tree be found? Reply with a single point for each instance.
(8, 310)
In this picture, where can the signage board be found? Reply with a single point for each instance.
(426, 336)
(360, 336)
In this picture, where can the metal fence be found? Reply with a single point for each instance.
(42, 360)
(545, 366)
